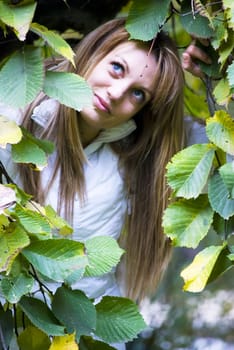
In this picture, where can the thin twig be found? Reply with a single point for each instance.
(5, 173)
(42, 286)
(209, 95)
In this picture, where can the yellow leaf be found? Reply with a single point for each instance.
(10, 132)
(3, 221)
(54, 40)
(198, 272)
(12, 239)
(222, 92)
(33, 339)
(220, 131)
(31, 205)
(66, 342)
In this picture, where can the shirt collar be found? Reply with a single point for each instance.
(110, 135)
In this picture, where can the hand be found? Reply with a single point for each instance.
(192, 54)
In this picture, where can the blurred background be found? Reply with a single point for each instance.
(188, 321)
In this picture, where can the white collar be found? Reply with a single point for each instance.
(111, 135)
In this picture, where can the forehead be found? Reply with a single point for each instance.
(140, 63)
(133, 50)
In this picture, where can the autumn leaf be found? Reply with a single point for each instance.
(66, 342)
(10, 132)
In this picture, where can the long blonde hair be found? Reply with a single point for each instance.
(144, 154)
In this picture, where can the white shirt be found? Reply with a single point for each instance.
(105, 207)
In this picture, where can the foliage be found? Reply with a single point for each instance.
(27, 63)
(201, 176)
(34, 244)
(34, 253)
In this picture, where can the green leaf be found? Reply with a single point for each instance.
(27, 151)
(145, 21)
(230, 74)
(56, 258)
(57, 222)
(75, 311)
(88, 343)
(221, 30)
(220, 130)
(213, 69)
(3, 221)
(196, 104)
(197, 273)
(194, 23)
(34, 339)
(27, 66)
(10, 132)
(118, 320)
(188, 171)
(12, 240)
(222, 227)
(13, 288)
(103, 254)
(226, 48)
(21, 196)
(69, 89)
(229, 5)
(33, 222)
(32, 150)
(221, 265)
(19, 266)
(54, 40)
(187, 222)
(6, 325)
(227, 173)
(45, 145)
(41, 316)
(219, 196)
(18, 17)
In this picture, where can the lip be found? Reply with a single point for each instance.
(101, 104)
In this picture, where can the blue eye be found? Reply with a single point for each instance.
(139, 94)
(117, 67)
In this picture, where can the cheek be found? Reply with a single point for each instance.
(133, 107)
(128, 110)
(96, 76)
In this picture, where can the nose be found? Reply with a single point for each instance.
(117, 90)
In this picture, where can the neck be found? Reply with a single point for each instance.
(87, 132)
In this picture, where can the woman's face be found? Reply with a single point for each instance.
(122, 83)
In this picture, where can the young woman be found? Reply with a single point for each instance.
(107, 174)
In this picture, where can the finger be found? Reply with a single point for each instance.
(197, 53)
(189, 65)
